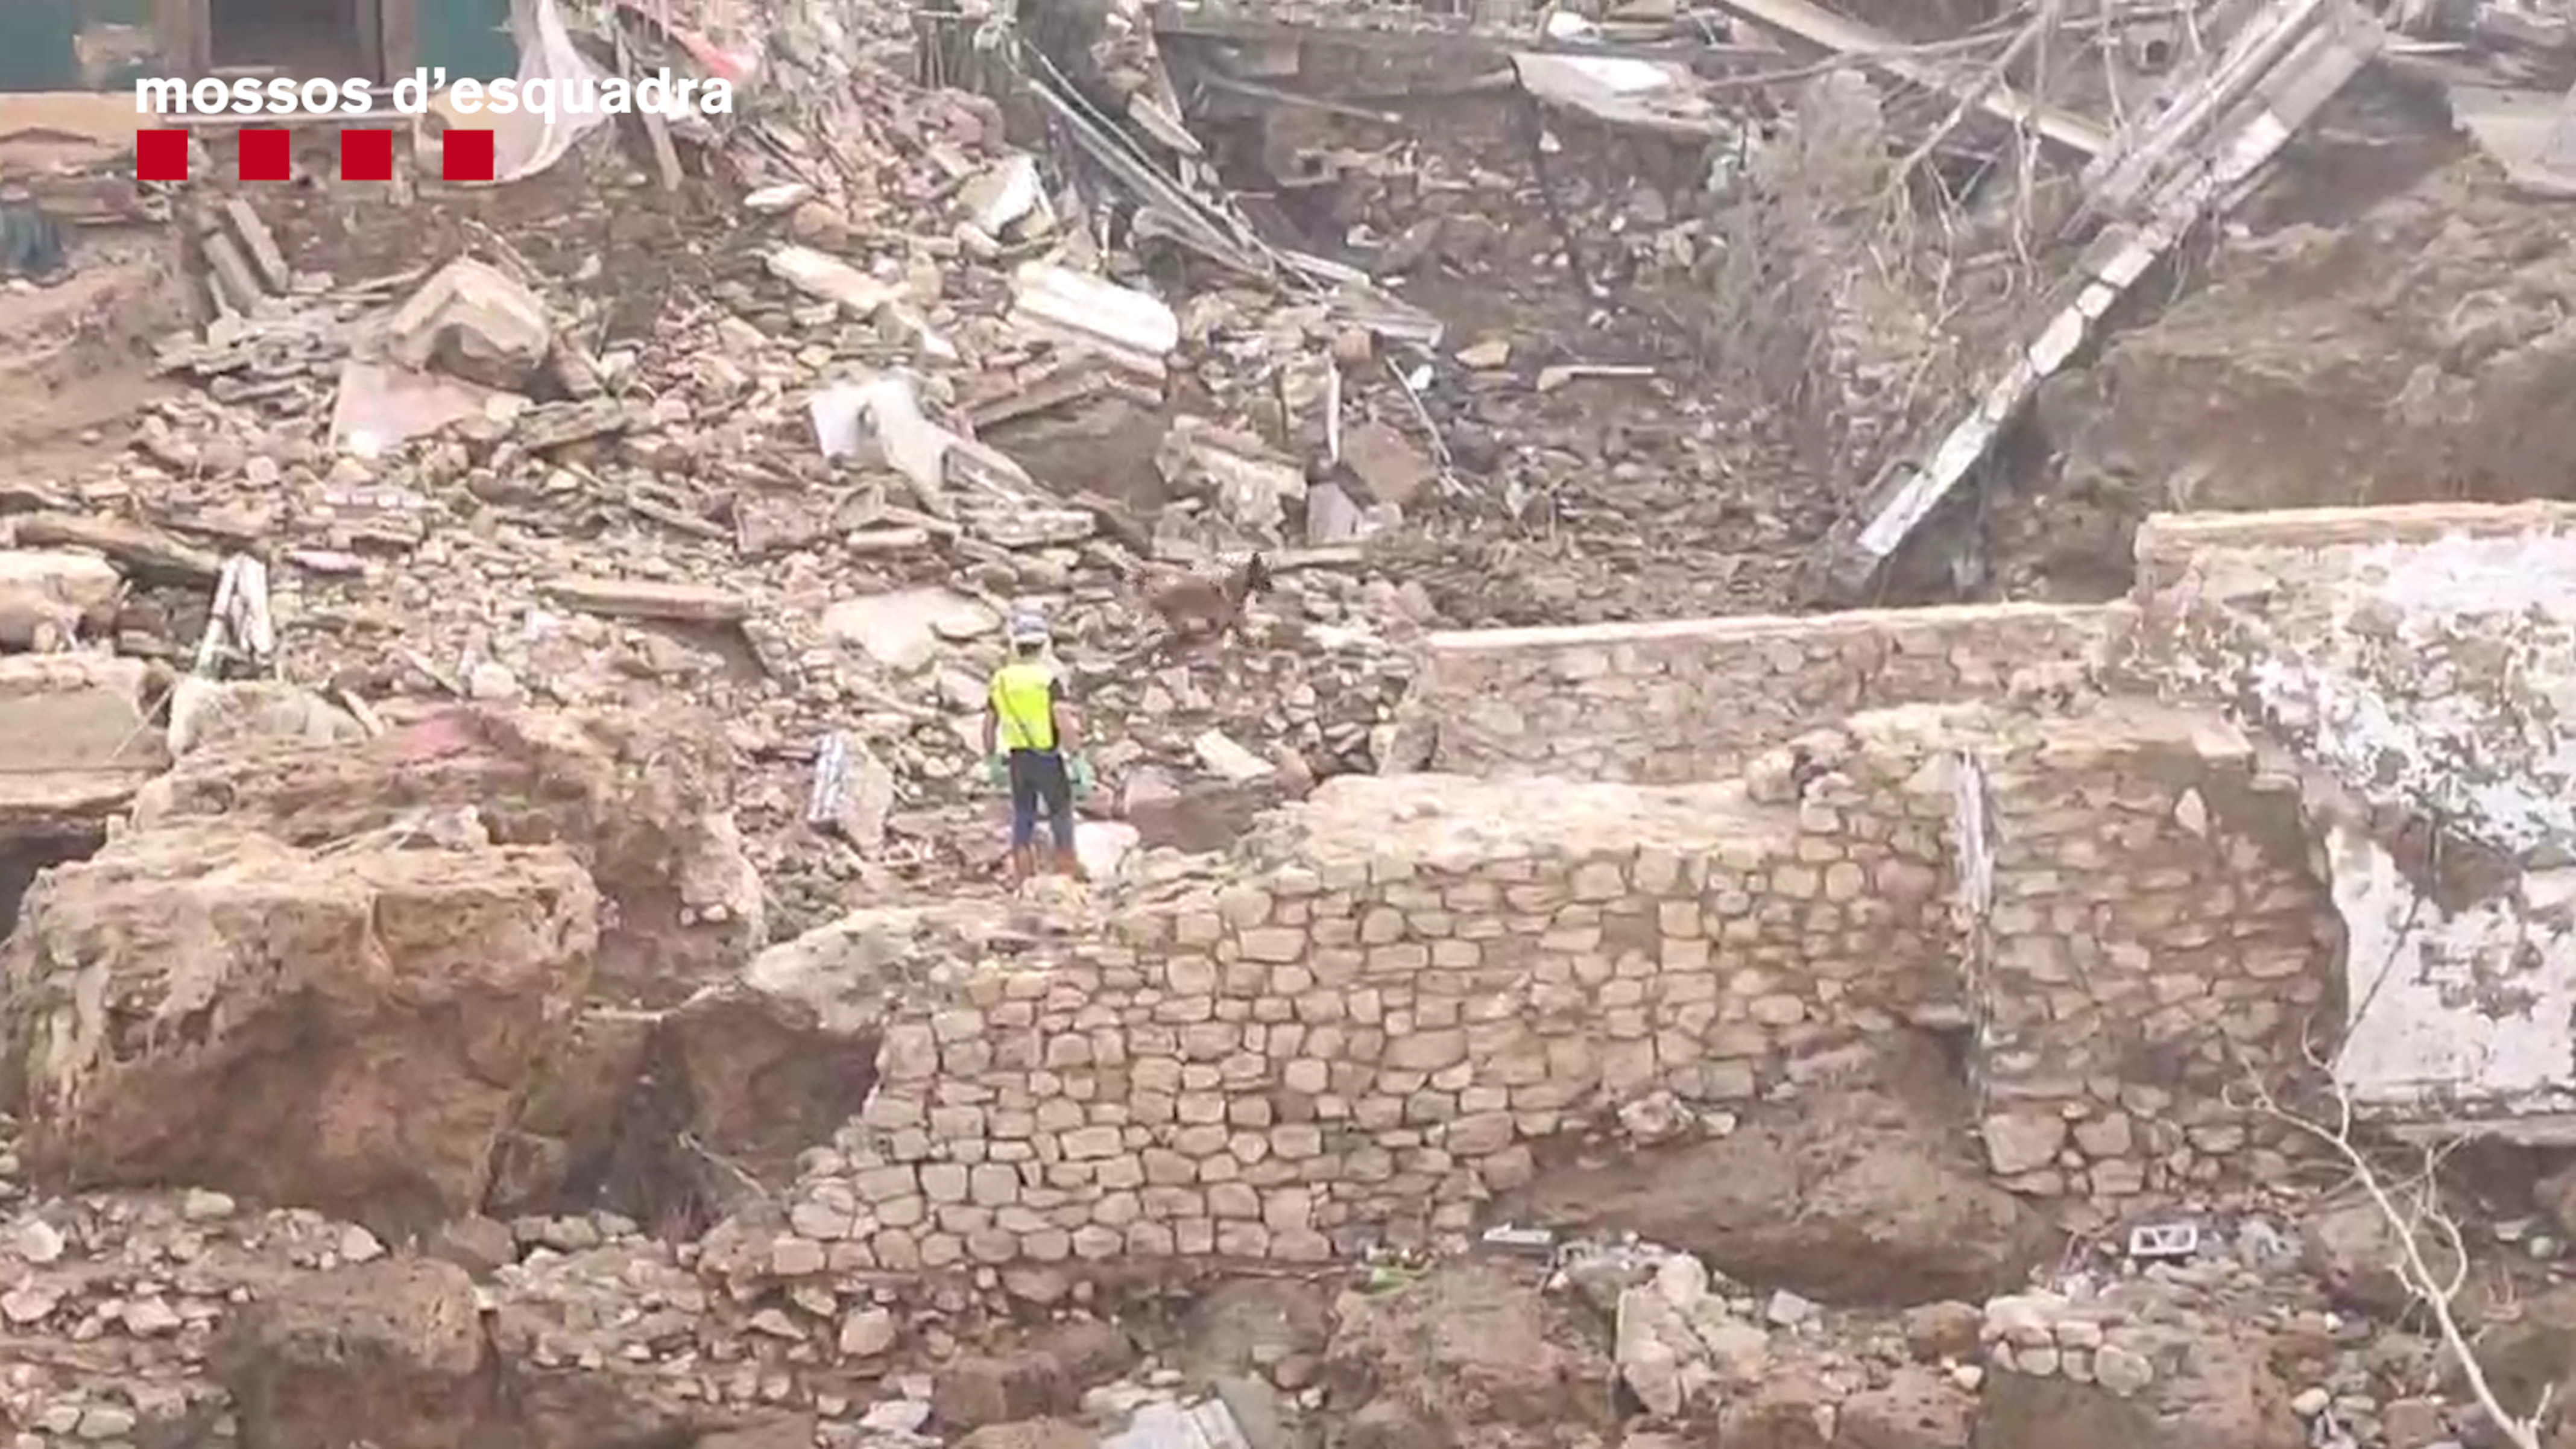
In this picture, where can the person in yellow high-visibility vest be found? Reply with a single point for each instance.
(1030, 733)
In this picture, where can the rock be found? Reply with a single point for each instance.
(475, 322)
(1657, 1353)
(1462, 1347)
(90, 584)
(1786, 1410)
(476, 1244)
(2122, 1371)
(2348, 1243)
(902, 629)
(1935, 1331)
(1229, 761)
(1253, 1325)
(1918, 1408)
(346, 1031)
(645, 803)
(1045, 1376)
(867, 1333)
(1030, 1434)
(761, 1068)
(205, 713)
(1787, 1310)
(2229, 1398)
(1394, 468)
(385, 1354)
(2022, 1142)
(80, 740)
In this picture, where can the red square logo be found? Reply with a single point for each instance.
(160, 155)
(266, 154)
(366, 155)
(467, 156)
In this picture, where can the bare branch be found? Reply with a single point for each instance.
(2437, 1292)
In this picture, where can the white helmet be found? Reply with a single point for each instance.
(1028, 626)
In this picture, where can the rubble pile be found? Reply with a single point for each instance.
(496, 785)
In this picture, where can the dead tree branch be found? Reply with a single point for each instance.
(2420, 1213)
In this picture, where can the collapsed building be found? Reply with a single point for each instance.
(466, 1032)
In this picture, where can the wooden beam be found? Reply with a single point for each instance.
(399, 42)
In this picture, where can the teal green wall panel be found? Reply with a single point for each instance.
(36, 45)
(469, 37)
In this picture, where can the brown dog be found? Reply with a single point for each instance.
(1197, 607)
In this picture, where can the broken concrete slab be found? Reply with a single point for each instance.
(1228, 760)
(1001, 195)
(379, 405)
(645, 599)
(260, 244)
(139, 548)
(829, 279)
(80, 739)
(83, 580)
(474, 321)
(1251, 482)
(853, 791)
(2520, 129)
(1087, 313)
(902, 629)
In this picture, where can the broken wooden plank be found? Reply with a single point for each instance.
(1872, 46)
(139, 548)
(231, 273)
(639, 599)
(2192, 184)
(261, 244)
(666, 156)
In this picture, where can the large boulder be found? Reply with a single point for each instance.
(646, 805)
(1859, 1192)
(346, 1030)
(639, 1110)
(389, 1353)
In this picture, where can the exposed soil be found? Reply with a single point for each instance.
(76, 354)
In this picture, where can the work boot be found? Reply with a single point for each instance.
(1068, 864)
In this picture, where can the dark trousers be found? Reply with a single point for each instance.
(1039, 780)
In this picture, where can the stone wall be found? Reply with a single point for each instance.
(1359, 1028)
(1693, 699)
(1359, 1038)
(2152, 932)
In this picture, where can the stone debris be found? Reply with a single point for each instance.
(474, 321)
(494, 832)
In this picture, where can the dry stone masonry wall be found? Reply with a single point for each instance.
(1694, 699)
(2154, 934)
(1413, 981)
(1364, 1023)
(1360, 1038)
